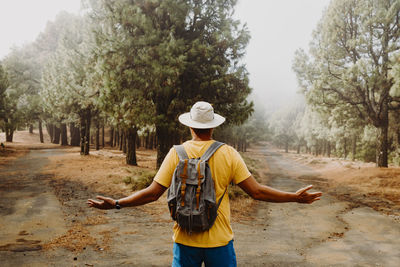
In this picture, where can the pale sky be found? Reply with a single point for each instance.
(277, 28)
(21, 21)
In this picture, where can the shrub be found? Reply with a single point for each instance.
(139, 179)
(127, 180)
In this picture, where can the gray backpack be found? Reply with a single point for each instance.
(191, 196)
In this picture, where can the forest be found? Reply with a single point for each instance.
(349, 103)
(131, 67)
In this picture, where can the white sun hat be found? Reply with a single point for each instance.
(201, 116)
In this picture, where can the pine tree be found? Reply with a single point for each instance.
(172, 54)
(351, 55)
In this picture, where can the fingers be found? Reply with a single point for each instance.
(102, 198)
(316, 194)
(308, 198)
(93, 203)
(104, 203)
(302, 190)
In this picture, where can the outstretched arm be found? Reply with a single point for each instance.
(144, 196)
(266, 193)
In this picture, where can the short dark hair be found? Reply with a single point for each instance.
(202, 131)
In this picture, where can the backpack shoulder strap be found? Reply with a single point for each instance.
(211, 150)
(181, 152)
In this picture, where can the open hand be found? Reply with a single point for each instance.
(106, 203)
(304, 197)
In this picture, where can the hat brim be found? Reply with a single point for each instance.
(186, 120)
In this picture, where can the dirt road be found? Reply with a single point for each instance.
(45, 222)
(328, 233)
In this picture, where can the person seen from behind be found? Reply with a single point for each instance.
(214, 246)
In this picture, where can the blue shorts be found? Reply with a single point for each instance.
(185, 256)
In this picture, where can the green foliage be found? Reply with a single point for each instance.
(285, 122)
(139, 179)
(162, 56)
(395, 158)
(140, 63)
(3, 87)
(66, 89)
(254, 130)
(23, 102)
(346, 75)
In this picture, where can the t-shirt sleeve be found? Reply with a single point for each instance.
(240, 172)
(167, 168)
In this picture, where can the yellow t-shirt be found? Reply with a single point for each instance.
(226, 166)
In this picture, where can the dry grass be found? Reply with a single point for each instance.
(363, 178)
(107, 172)
(104, 170)
(76, 239)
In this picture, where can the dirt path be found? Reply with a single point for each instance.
(328, 233)
(30, 212)
(45, 222)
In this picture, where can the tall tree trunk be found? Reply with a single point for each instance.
(50, 132)
(9, 129)
(9, 135)
(398, 137)
(83, 131)
(354, 148)
(124, 141)
(111, 137)
(131, 147)
(323, 152)
(116, 137)
(97, 133)
(97, 136)
(31, 128)
(345, 152)
(120, 139)
(56, 134)
(88, 119)
(383, 146)
(164, 142)
(153, 142)
(147, 139)
(41, 132)
(102, 136)
(64, 137)
(328, 148)
(75, 134)
(137, 140)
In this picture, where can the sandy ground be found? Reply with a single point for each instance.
(45, 222)
(378, 188)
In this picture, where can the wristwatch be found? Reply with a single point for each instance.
(117, 206)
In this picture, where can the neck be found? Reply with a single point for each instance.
(198, 138)
(201, 137)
